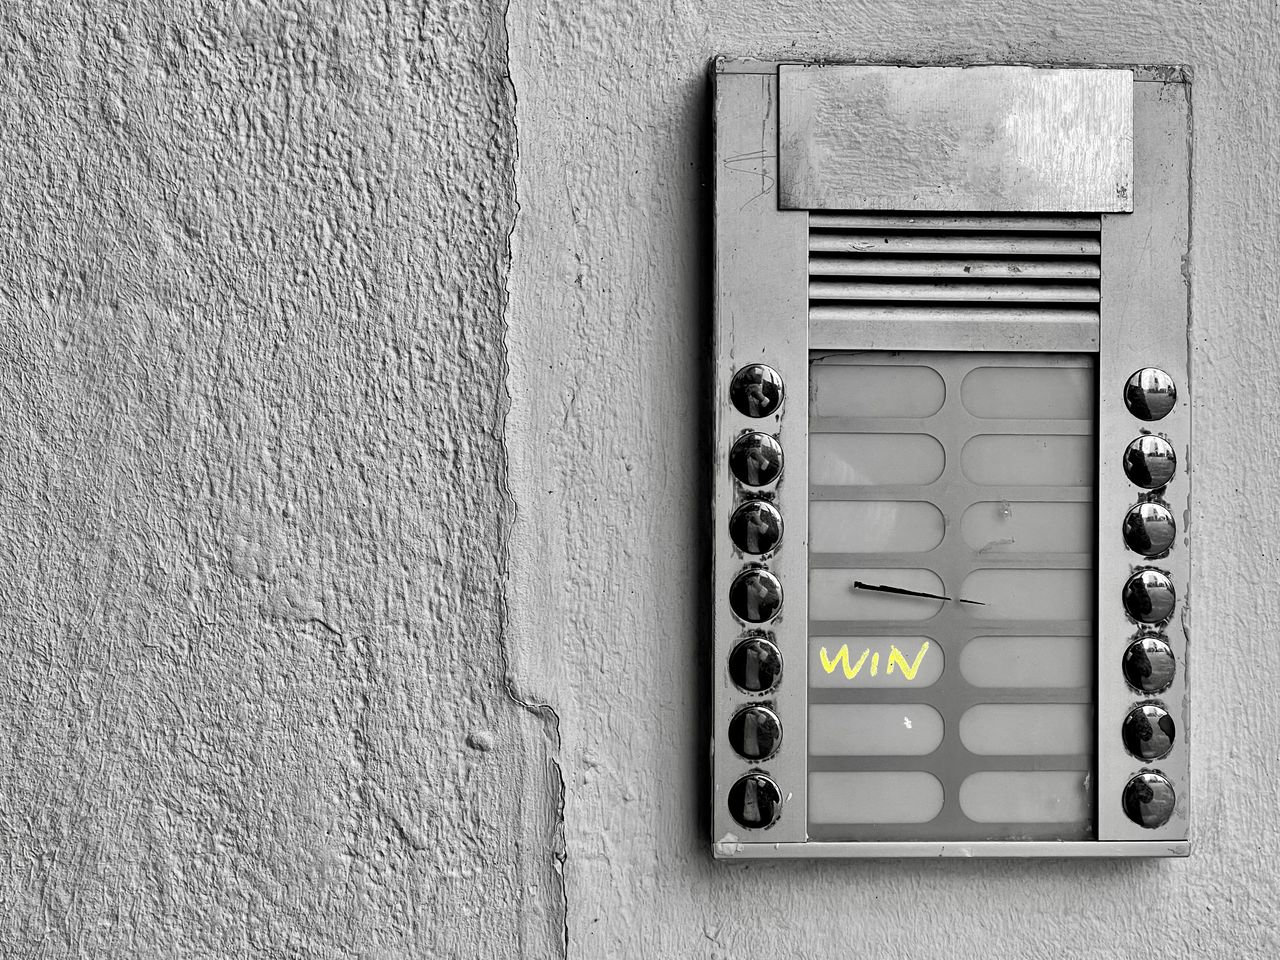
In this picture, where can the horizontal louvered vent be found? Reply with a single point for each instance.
(874, 267)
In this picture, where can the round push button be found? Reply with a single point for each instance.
(1150, 394)
(755, 801)
(756, 390)
(756, 527)
(1148, 732)
(1148, 596)
(755, 732)
(1150, 462)
(1148, 800)
(1149, 665)
(756, 459)
(1149, 529)
(755, 665)
(755, 596)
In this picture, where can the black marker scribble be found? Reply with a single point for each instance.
(754, 164)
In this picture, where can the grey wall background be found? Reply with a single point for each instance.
(252, 694)
(607, 338)
(350, 585)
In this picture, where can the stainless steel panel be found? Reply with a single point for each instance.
(761, 276)
(762, 299)
(878, 850)
(1145, 310)
(990, 139)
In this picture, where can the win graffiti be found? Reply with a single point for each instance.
(895, 660)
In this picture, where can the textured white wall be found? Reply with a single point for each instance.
(252, 695)
(608, 338)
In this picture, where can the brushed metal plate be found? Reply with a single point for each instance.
(940, 139)
(1066, 849)
(1146, 307)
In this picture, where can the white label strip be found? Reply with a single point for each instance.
(1045, 662)
(1033, 459)
(864, 390)
(864, 459)
(874, 526)
(1034, 729)
(1048, 393)
(1026, 796)
(894, 797)
(1032, 594)
(1012, 526)
(873, 729)
(833, 596)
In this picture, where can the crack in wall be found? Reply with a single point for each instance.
(544, 712)
(558, 846)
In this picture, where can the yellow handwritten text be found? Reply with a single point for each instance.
(908, 670)
(896, 659)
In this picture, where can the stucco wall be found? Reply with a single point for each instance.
(608, 338)
(252, 691)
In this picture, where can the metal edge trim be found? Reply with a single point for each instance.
(1010, 849)
(1142, 72)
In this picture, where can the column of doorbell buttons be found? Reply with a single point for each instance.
(1149, 528)
(755, 597)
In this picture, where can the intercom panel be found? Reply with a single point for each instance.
(952, 461)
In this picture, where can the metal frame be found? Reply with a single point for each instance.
(762, 313)
(1145, 314)
(761, 316)
(1014, 849)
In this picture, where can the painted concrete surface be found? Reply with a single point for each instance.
(253, 701)
(608, 338)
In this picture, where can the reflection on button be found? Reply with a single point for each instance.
(755, 732)
(1148, 596)
(1148, 732)
(756, 390)
(755, 596)
(1149, 665)
(1149, 529)
(1148, 800)
(755, 801)
(755, 665)
(756, 527)
(1150, 394)
(1150, 462)
(756, 459)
